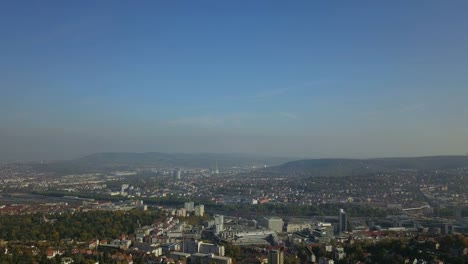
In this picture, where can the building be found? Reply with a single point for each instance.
(189, 206)
(200, 210)
(343, 222)
(141, 232)
(200, 258)
(297, 226)
(207, 248)
(167, 248)
(179, 255)
(219, 224)
(275, 257)
(323, 260)
(178, 174)
(272, 223)
(189, 246)
(339, 253)
(123, 244)
(181, 212)
(193, 246)
(323, 232)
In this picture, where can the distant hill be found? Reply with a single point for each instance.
(424, 163)
(182, 160)
(350, 167)
(276, 165)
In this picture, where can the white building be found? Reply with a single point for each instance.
(339, 253)
(181, 212)
(178, 174)
(189, 206)
(207, 248)
(200, 258)
(272, 223)
(297, 226)
(200, 210)
(219, 223)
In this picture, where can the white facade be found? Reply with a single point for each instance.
(200, 210)
(219, 223)
(189, 206)
(272, 223)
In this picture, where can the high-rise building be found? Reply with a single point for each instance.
(343, 224)
(219, 223)
(216, 169)
(458, 214)
(189, 206)
(178, 174)
(275, 257)
(199, 210)
(181, 212)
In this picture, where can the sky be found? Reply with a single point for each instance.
(352, 79)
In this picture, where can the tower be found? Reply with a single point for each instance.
(219, 223)
(343, 224)
(199, 210)
(177, 174)
(189, 206)
(458, 214)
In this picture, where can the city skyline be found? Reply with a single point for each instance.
(309, 79)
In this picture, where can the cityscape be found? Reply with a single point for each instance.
(233, 132)
(239, 214)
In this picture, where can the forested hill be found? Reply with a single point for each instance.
(350, 167)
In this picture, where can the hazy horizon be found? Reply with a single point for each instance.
(308, 79)
(292, 158)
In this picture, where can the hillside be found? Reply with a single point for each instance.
(350, 167)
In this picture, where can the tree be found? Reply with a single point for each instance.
(292, 259)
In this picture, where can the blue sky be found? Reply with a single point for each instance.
(303, 78)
